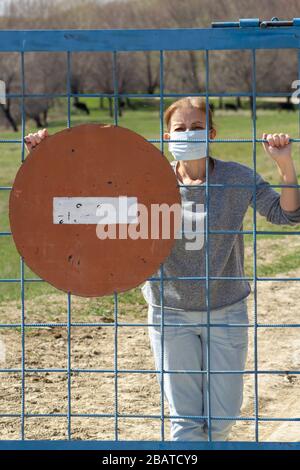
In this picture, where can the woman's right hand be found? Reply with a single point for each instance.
(32, 140)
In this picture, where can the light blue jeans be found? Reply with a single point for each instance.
(185, 348)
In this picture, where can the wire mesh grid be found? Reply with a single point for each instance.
(52, 41)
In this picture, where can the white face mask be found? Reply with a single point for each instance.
(188, 150)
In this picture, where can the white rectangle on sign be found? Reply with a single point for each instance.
(95, 210)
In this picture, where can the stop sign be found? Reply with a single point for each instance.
(57, 192)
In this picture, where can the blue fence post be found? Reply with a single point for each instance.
(207, 241)
(162, 312)
(256, 402)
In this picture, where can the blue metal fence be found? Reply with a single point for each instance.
(248, 34)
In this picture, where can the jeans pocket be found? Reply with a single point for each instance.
(237, 314)
(170, 320)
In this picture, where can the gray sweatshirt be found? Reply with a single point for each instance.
(227, 208)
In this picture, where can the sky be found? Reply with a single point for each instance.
(2, 3)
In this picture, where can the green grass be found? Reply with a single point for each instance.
(145, 120)
(285, 262)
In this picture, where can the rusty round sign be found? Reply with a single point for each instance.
(53, 202)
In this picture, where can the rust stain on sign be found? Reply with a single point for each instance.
(90, 163)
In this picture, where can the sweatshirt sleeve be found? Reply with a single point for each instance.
(268, 204)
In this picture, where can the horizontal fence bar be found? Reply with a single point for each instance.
(221, 141)
(143, 325)
(218, 185)
(158, 96)
(189, 278)
(167, 39)
(124, 415)
(215, 141)
(23, 280)
(225, 232)
(150, 371)
(144, 445)
(232, 278)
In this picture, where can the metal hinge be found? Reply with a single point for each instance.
(255, 22)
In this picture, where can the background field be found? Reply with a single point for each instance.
(278, 255)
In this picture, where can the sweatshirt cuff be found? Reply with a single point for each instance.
(293, 216)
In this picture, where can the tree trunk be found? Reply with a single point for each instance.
(129, 103)
(110, 107)
(7, 114)
(38, 121)
(45, 117)
(251, 106)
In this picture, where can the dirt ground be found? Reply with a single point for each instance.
(93, 348)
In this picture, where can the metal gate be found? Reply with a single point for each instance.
(248, 34)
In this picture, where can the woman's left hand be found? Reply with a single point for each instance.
(278, 146)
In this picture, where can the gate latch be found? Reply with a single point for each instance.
(255, 22)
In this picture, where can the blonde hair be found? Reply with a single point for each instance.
(185, 102)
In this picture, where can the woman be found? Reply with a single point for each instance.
(184, 300)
